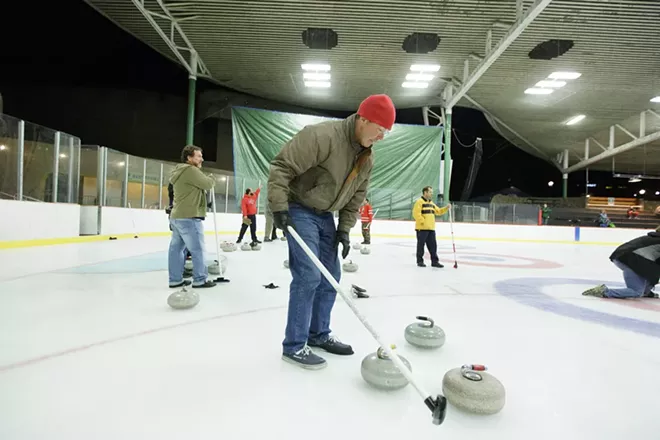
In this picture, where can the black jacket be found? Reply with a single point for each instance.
(642, 255)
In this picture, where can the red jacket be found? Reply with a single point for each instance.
(249, 203)
(366, 213)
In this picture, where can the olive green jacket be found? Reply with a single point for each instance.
(323, 167)
(190, 186)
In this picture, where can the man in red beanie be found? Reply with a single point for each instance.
(324, 168)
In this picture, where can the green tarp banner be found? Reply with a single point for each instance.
(405, 161)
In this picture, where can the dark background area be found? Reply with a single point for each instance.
(67, 67)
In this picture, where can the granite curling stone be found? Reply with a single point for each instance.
(286, 263)
(379, 371)
(472, 389)
(350, 266)
(216, 268)
(425, 334)
(357, 246)
(246, 247)
(255, 246)
(366, 250)
(227, 246)
(183, 299)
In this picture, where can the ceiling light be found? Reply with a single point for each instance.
(425, 67)
(537, 91)
(634, 180)
(318, 84)
(642, 191)
(62, 155)
(656, 99)
(316, 76)
(565, 75)
(551, 84)
(2, 147)
(657, 193)
(414, 85)
(419, 77)
(316, 67)
(575, 120)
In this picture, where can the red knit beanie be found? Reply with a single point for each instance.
(378, 109)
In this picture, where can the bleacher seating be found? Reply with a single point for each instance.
(616, 209)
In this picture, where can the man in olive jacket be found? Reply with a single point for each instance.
(186, 219)
(324, 168)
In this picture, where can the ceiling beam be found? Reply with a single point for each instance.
(514, 32)
(195, 66)
(613, 150)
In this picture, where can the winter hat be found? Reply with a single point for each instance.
(378, 109)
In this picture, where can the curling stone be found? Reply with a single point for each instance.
(350, 267)
(256, 247)
(216, 268)
(426, 334)
(227, 246)
(286, 263)
(246, 247)
(379, 370)
(188, 265)
(357, 246)
(471, 389)
(282, 238)
(183, 299)
(365, 250)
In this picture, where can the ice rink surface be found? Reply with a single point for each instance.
(89, 348)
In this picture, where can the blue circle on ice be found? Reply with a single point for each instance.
(527, 291)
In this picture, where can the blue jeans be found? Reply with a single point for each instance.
(636, 286)
(311, 297)
(187, 233)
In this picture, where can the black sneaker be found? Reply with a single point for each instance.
(181, 284)
(305, 358)
(206, 284)
(335, 346)
(437, 264)
(421, 264)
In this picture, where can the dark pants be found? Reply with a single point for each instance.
(311, 297)
(366, 232)
(253, 228)
(426, 237)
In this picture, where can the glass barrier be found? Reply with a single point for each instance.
(9, 133)
(153, 194)
(95, 175)
(115, 178)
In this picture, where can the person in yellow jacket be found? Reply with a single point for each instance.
(424, 212)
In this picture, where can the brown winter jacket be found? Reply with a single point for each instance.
(323, 167)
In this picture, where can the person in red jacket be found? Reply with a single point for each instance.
(249, 210)
(366, 217)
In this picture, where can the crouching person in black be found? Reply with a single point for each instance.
(639, 259)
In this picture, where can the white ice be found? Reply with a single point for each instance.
(89, 348)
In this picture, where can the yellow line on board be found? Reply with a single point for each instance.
(15, 244)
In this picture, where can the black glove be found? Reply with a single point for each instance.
(282, 220)
(168, 210)
(342, 237)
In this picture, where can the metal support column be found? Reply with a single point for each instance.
(124, 187)
(19, 162)
(160, 188)
(425, 115)
(192, 87)
(227, 194)
(70, 196)
(144, 182)
(447, 157)
(56, 166)
(564, 182)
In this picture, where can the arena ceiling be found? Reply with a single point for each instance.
(257, 47)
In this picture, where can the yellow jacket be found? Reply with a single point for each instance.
(424, 212)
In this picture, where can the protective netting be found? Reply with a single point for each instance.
(474, 169)
(404, 162)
